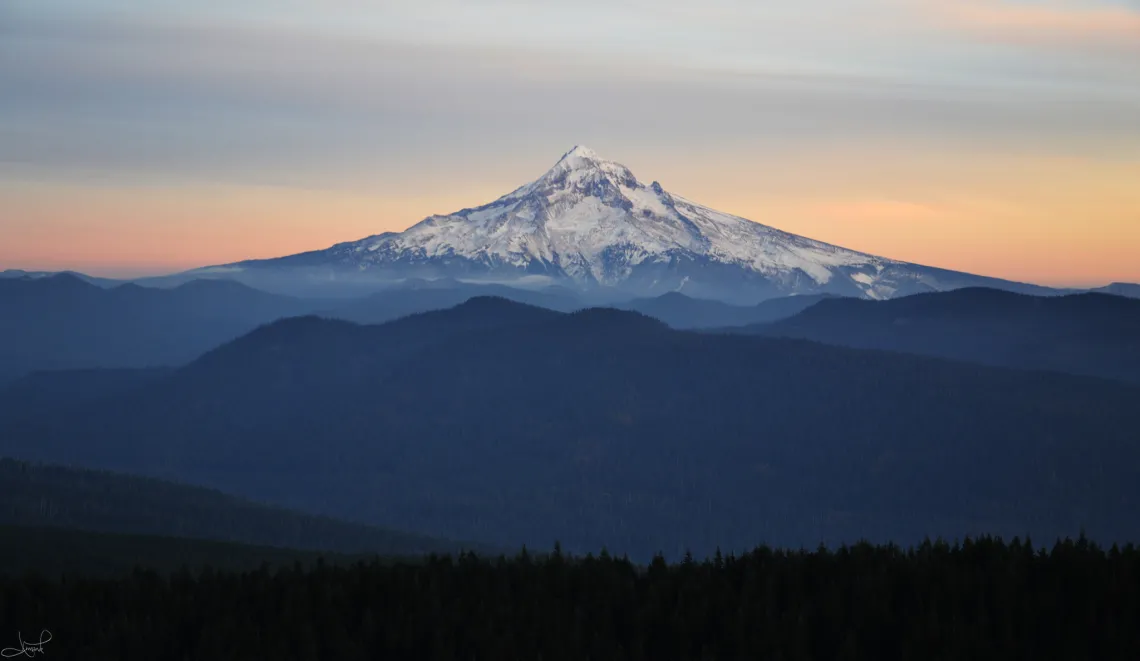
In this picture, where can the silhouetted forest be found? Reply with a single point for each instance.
(981, 599)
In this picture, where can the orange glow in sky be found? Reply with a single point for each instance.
(1053, 222)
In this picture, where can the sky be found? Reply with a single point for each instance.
(998, 137)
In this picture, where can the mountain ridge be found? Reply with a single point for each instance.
(1091, 333)
(63, 321)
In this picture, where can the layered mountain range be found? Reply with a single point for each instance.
(589, 224)
(503, 424)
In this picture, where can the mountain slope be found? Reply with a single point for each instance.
(96, 501)
(590, 224)
(48, 392)
(506, 424)
(683, 312)
(1093, 334)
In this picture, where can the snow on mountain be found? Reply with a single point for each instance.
(589, 223)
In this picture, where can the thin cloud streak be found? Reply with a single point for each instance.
(271, 108)
(1088, 24)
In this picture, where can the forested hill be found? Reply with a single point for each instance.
(39, 495)
(979, 600)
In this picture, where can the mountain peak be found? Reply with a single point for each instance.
(581, 152)
(580, 158)
(582, 165)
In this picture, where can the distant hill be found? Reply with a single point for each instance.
(293, 354)
(97, 501)
(65, 322)
(509, 424)
(1120, 289)
(33, 275)
(422, 296)
(675, 309)
(1092, 334)
(683, 312)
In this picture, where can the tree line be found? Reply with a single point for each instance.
(978, 599)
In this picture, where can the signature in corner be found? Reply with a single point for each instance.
(27, 648)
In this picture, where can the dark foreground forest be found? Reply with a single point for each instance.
(980, 599)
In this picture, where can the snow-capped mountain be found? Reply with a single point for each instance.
(590, 224)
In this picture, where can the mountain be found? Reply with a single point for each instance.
(12, 274)
(683, 312)
(293, 354)
(62, 322)
(507, 424)
(1092, 334)
(591, 225)
(676, 309)
(65, 322)
(417, 296)
(96, 501)
(1120, 289)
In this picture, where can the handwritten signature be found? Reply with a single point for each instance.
(27, 648)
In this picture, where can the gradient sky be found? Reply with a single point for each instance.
(990, 136)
